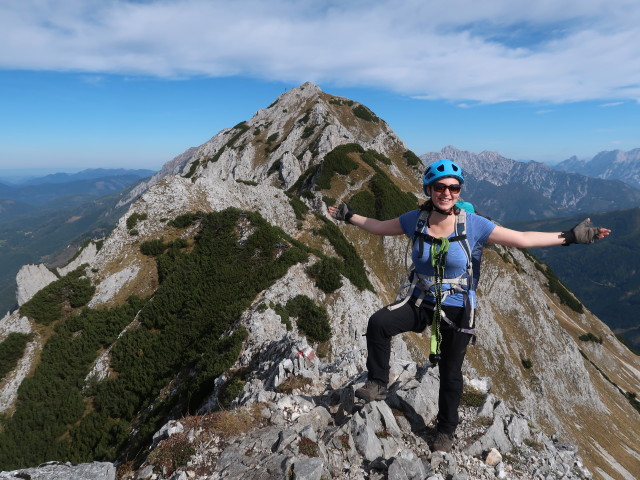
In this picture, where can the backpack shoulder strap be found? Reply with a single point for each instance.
(461, 233)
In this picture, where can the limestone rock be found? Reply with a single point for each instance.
(64, 471)
(31, 279)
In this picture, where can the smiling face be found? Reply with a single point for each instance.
(443, 197)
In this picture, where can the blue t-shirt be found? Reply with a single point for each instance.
(478, 231)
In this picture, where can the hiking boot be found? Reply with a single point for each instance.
(443, 442)
(372, 391)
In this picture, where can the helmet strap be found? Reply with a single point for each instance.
(444, 212)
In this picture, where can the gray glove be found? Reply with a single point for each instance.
(343, 212)
(581, 233)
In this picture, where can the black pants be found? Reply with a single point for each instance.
(386, 323)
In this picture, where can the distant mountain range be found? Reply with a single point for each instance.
(88, 174)
(93, 183)
(50, 216)
(611, 165)
(509, 190)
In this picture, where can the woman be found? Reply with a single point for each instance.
(446, 305)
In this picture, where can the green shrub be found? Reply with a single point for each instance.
(192, 169)
(337, 161)
(340, 101)
(46, 306)
(364, 113)
(133, 219)
(370, 155)
(364, 203)
(328, 200)
(230, 391)
(590, 337)
(313, 320)
(412, 159)
(390, 201)
(186, 219)
(251, 183)
(272, 138)
(326, 273)
(299, 207)
(308, 131)
(153, 248)
(526, 363)
(353, 266)
(284, 316)
(12, 350)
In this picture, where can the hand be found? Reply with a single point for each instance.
(583, 233)
(341, 212)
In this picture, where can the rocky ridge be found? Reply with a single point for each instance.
(615, 164)
(547, 191)
(530, 324)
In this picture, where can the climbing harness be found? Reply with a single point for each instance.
(434, 285)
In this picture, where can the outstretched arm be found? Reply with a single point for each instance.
(371, 225)
(581, 233)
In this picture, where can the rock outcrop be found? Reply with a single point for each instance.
(31, 279)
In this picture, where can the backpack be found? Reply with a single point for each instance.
(464, 283)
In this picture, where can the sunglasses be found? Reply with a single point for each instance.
(441, 187)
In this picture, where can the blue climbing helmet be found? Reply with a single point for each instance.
(443, 168)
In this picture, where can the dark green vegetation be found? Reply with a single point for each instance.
(185, 332)
(590, 337)
(364, 113)
(11, 350)
(383, 199)
(337, 161)
(605, 275)
(353, 266)
(412, 159)
(134, 218)
(71, 291)
(312, 319)
(326, 273)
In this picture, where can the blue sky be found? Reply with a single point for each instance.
(115, 83)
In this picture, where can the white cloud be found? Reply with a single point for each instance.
(459, 50)
(612, 104)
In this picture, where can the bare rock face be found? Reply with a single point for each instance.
(31, 279)
(65, 471)
(15, 323)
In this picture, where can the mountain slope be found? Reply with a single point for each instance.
(606, 275)
(616, 164)
(507, 190)
(236, 284)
